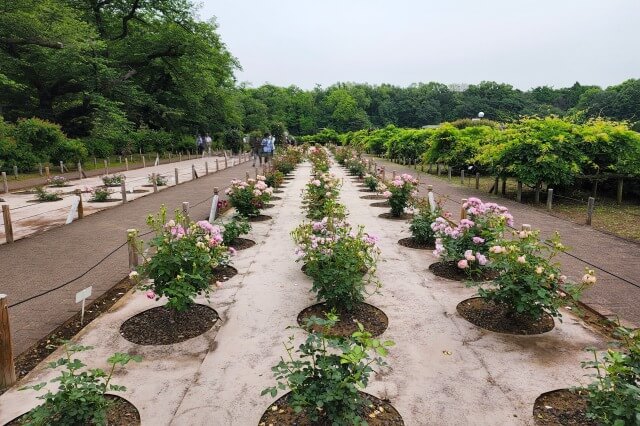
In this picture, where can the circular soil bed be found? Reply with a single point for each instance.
(109, 200)
(280, 413)
(373, 319)
(384, 204)
(226, 272)
(44, 201)
(242, 243)
(373, 197)
(561, 407)
(268, 206)
(412, 243)
(278, 191)
(149, 185)
(500, 319)
(163, 326)
(276, 198)
(365, 190)
(120, 413)
(259, 218)
(405, 216)
(451, 271)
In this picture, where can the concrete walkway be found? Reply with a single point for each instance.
(47, 260)
(617, 292)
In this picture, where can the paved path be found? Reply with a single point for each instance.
(47, 260)
(615, 259)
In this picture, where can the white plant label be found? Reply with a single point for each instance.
(81, 296)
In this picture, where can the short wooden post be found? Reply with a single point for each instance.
(217, 166)
(79, 170)
(549, 199)
(189, 154)
(106, 167)
(185, 212)
(120, 159)
(536, 194)
(206, 168)
(40, 168)
(194, 175)
(169, 156)
(438, 169)
(61, 166)
(8, 226)
(247, 176)
(123, 192)
(519, 192)
(213, 212)
(5, 184)
(463, 210)
(393, 175)
(126, 163)
(504, 186)
(95, 163)
(15, 172)
(449, 172)
(619, 192)
(180, 156)
(256, 170)
(384, 171)
(7, 367)
(144, 162)
(46, 172)
(132, 236)
(462, 176)
(175, 175)
(590, 205)
(80, 205)
(477, 180)
(226, 163)
(154, 178)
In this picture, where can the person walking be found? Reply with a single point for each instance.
(207, 143)
(256, 149)
(199, 143)
(267, 147)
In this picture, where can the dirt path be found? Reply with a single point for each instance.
(614, 295)
(45, 261)
(443, 370)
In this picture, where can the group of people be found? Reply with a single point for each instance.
(263, 148)
(203, 143)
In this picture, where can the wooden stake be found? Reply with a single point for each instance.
(175, 175)
(590, 205)
(40, 168)
(194, 175)
(185, 212)
(132, 235)
(217, 166)
(15, 172)
(449, 172)
(106, 167)
(80, 206)
(477, 180)
(7, 368)
(5, 184)
(79, 170)
(549, 199)
(46, 172)
(519, 192)
(155, 182)
(463, 211)
(619, 192)
(144, 162)
(462, 176)
(123, 192)
(206, 168)
(8, 227)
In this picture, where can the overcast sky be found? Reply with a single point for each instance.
(521, 42)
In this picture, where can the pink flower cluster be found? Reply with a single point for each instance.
(470, 257)
(475, 207)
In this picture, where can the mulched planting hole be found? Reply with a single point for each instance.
(226, 272)
(373, 197)
(500, 319)
(108, 200)
(163, 326)
(561, 407)
(384, 204)
(365, 190)
(374, 320)
(412, 243)
(268, 206)
(276, 198)
(451, 271)
(388, 215)
(259, 218)
(280, 413)
(120, 413)
(242, 244)
(278, 191)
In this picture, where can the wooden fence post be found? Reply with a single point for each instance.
(123, 192)
(384, 171)
(5, 184)
(194, 175)
(8, 226)
(154, 178)
(590, 206)
(185, 212)
(126, 163)
(175, 175)
(189, 154)
(619, 192)
(536, 195)
(206, 168)
(463, 211)
(217, 166)
(477, 180)
(549, 199)
(106, 167)
(519, 192)
(46, 172)
(393, 175)
(40, 168)
(213, 212)
(79, 170)
(15, 172)
(144, 162)
(438, 169)
(61, 166)
(449, 172)
(180, 156)
(80, 205)
(7, 368)
(462, 176)
(132, 236)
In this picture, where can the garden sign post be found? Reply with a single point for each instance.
(7, 368)
(214, 205)
(82, 296)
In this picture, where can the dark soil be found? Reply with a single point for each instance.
(280, 413)
(372, 197)
(278, 191)
(120, 413)
(451, 271)
(412, 243)
(242, 243)
(365, 190)
(501, 319)
(150, 185)
(381, 204)
(163, 326)
(108, 200)
(44, 201)
(566, 408)
(226, 272)
(26, 361)
(373, 319)
(268, 206)
(276, 198)
(259, 218)
(364, 270)
(388, 215)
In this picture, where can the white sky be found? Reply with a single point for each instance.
(525, 43)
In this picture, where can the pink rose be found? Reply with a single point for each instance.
(463, 264)
(151, 294)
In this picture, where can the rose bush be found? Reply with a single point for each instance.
(320, 196)
(249, 196)
(400, 193)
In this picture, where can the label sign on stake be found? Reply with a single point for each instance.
(81, 296)
(73, 211)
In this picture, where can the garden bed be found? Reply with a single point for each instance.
(259, 218)
(108, 200)
(374, 320)
(373, 197)
(500, 319)
(225, 272)
(389, 216)
(119, 413)
(242, 244)
(375, 411)
(384, 204)
(451, 271)
(561, 407)
(412, 243)
(164, 326)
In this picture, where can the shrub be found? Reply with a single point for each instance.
(371, 182)
(250, 196)
(100, 194)
(158, 179)
(57, 181)
(357, 166)
(319, 159)
(339, 259)
(529, 284)
(613, 398)
(320, 196)
(113, 180)
(423, 217)
(185, 255)
(45, 196)
(70, 151)
(274, 179)
(325, 377)
(468, 243)
(234, 229)
(80, 398)
(400, 193)
(99, 148)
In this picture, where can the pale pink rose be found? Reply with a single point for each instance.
(386, 194)
(539, 270)
(482, 259)
(469, 256)
(463, 264)
(522, 259)
(151, 294)
(232, 251)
